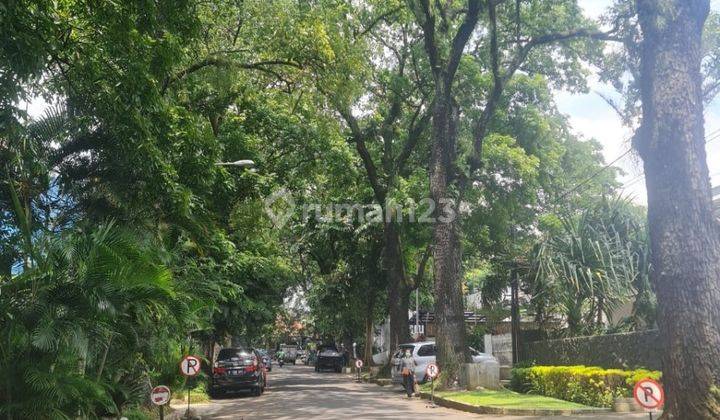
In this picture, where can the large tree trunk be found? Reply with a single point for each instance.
(447, 253)
(399, 291)
(685, 239)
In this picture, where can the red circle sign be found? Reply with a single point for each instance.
(359, 363)
(160, 395)
(649, 394)
(432, 370)
(190, 365)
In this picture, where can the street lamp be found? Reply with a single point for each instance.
(243, 163)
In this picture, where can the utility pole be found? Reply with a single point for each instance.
(417, 310)
(515, 316)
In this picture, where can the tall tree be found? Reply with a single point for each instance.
(446, 251)
(517, 36)
(684, 236)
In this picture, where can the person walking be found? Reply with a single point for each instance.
(407, 367)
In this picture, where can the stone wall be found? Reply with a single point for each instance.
(621, 351)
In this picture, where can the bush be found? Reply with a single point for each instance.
(586, 385)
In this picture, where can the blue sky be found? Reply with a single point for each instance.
(591, 117)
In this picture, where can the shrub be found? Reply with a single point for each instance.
(587, 385)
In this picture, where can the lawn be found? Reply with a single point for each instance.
(509, 399)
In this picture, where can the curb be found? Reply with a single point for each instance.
(376, 381)
(455, 405)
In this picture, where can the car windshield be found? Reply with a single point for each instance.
(234, 353)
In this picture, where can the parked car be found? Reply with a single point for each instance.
(329, 357)
(266, 359)
(424, 353)
(237, 369)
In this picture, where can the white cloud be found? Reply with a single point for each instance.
(591, 117)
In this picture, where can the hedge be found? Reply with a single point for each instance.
(588, 385)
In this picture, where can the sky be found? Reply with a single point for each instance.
(591, 117)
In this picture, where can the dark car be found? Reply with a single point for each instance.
(238, 369)
(328, 357)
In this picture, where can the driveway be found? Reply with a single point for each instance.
(298, 392)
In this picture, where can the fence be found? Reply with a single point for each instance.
(622, 351)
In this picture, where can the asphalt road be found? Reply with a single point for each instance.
(298, 392)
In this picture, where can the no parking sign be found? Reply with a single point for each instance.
(432, 370)
(649, 394)
(190, 365)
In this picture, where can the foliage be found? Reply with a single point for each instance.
(148, 96)
(591, 386)
(86, 326)
(590, 263)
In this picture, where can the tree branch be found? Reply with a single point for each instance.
(461, 39)
(556, 37)
(377, 20)
(427, 23)
(481, 126)
(358, 137)
(417, 127)
(420, 275)
(224, 62)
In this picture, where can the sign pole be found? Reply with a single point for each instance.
(432, 372)
(358, 368)
(187, 413)
(432, 392)
(189, 367)
(160, 395)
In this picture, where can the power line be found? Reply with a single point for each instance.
(591, 177)
(709, 138)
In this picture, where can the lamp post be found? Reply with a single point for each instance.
(243, 163)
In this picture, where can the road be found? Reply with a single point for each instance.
(298, 392)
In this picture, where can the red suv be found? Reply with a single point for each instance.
(238, 369)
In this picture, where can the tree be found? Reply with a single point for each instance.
(683, 232)
(389, 138)
(512, 41)
(590, 265)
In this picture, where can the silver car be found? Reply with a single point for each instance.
(424, 353)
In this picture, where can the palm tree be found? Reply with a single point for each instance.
(75, 322)
(596, 261)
